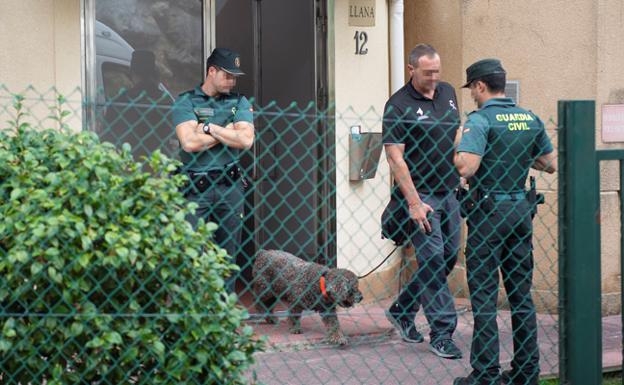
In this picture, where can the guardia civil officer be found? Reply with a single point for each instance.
(420, 121)
(213, 126)
(497, 146)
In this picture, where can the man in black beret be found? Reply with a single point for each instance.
(494, 150)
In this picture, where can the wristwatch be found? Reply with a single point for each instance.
(207, 128)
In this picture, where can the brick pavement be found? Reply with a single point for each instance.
(376, 354)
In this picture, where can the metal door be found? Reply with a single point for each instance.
(282, 44)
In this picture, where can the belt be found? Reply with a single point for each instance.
(226, 176)
(508, 196)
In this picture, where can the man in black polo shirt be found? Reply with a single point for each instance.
(419, 127)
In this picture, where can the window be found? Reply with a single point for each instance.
(142, 53)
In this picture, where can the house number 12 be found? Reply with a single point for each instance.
(361, 38)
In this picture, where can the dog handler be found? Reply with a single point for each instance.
(419, 127)
(495, 149)
(213, 125)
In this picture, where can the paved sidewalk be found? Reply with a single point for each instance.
(376, 354)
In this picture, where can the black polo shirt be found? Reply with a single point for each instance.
(427, 128)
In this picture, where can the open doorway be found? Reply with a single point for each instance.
(289, 204)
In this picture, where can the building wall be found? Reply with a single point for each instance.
(361, 89)
(438, 23)
(41, 49)
(609, 90)
(557, 50)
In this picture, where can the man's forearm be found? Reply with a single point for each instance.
(230, 136)
(193, 139)
(401, 175)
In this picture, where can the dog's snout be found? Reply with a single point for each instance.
(358, 297)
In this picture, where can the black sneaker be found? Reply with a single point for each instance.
(407, 329)
(506, 377)
(445, 348)
(509, 378)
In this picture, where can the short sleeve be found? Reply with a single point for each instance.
(393, 131)
(474, 136)
(244, 111)
(182, 110)
(543, 144)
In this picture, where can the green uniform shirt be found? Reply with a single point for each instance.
(221, 110)
(509, 139)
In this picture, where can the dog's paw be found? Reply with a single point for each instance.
(337, 339)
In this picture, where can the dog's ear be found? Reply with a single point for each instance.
(331, 282)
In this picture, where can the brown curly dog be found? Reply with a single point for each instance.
(280, 276)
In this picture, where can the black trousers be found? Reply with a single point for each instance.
(436, 254)
(499, 237)
(222, 204)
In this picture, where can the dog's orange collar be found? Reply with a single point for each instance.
(323, 290)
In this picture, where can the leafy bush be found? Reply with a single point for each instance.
(102, 279)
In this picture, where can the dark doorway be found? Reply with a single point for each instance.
(290, 200)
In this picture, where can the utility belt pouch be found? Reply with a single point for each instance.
(533, 197)
(227, 176)
(200, 182)
(467, 201)
(232, 174)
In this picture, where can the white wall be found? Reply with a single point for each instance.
(361, 90)
(41, 48)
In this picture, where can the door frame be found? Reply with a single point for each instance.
(326, 128)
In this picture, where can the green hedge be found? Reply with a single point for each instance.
(102, 279)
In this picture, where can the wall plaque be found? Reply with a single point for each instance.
(613, 123)
(362, 13)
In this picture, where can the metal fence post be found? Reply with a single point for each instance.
(580, 329)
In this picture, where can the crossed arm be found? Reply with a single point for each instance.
(193, 139)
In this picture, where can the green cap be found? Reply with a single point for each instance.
(482, 68)
(227, 60)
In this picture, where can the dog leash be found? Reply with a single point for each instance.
(382, 262)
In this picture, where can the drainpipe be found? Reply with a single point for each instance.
(397, 72)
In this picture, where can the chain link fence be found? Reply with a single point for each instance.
(312, 191)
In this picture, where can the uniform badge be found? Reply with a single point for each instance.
(204, 113)
(420, 111)
(234, 109)
(452, 104)
(237, 62)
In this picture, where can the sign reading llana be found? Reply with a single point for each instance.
(362, 13)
